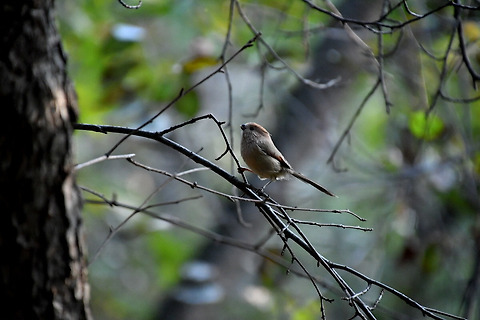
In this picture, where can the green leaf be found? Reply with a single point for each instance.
(198, 63)
(188, 105)
(309, 311)
(425, 127)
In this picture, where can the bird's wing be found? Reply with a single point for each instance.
(275, 154)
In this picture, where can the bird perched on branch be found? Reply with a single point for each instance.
(263, 158)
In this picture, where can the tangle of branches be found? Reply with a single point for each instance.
(287, 228)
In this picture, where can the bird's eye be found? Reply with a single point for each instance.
(252, 128)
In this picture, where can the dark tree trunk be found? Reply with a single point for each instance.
(42, 268)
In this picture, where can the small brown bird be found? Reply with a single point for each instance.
(263, 158)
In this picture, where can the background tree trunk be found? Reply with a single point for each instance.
(43, 271)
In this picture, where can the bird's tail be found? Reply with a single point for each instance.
(310, 182)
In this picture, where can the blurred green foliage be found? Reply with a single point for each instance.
(425, 127)
(165, 44)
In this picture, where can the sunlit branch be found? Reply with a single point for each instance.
(103, 158)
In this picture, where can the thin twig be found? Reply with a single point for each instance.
(114, 231)
(426, 311)
(283, 230)
(338, 211)
(381, 73)
(466, 60)
(443, 73)
(130, 6)
(113, 202)
(184, 92)
(102, 158)
(335, 225)
(352, 121)
(303, 80)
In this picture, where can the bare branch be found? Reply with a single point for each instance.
(336, 225)
(426, 311)
(352, 121)
(130, 6)
(338, 211)
(286, 231)
(466, 60)
(443, 73)
(184, 92)
(303, 80)
(103, 158)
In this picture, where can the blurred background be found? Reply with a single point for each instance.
(406, 158)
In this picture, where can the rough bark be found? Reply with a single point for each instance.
(43, 271)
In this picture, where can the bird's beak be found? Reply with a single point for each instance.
(243, 126)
